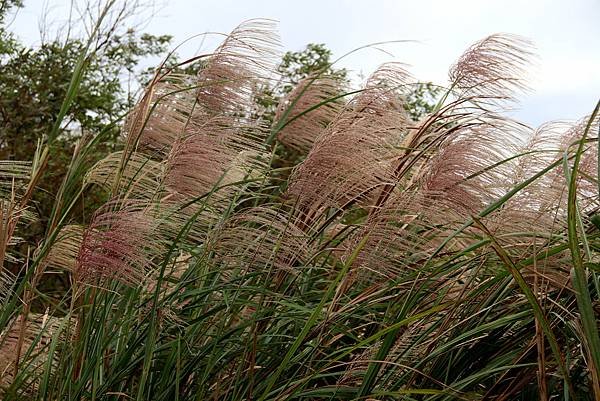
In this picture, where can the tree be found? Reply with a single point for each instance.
(296, 66)
(421, 100)
(33, 84)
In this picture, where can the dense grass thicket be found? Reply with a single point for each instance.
(453, 258)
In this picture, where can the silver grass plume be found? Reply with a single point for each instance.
(301, 130)
(491, 70)
(354, 156)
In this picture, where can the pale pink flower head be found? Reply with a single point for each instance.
(119, 244)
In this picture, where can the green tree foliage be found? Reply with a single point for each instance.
(316, 57)
(33, 84)
(7, 40)
(421, 100)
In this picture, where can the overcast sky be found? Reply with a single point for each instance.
(565, 83)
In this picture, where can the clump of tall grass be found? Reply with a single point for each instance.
(451, 258)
